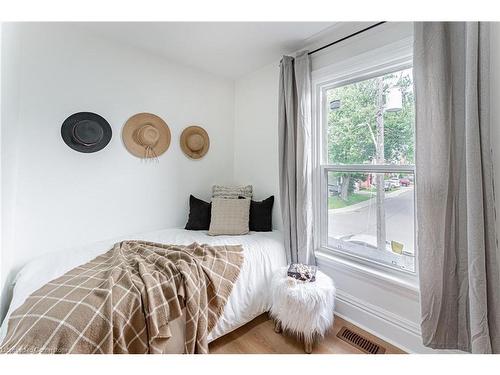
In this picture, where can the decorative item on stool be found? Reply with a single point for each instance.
(302, 308)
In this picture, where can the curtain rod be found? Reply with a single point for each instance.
(347, 37)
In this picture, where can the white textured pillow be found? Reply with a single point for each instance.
(219, 191)
(229, 216)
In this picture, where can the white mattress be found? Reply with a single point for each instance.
(264, 253)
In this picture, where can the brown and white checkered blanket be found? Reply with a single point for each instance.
(123, 301)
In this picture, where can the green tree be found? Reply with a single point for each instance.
(399, 126)
(352, 126)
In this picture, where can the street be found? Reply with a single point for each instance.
(360, 220)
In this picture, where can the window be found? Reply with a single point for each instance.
(367, 169)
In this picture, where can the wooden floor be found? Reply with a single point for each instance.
(258, 337)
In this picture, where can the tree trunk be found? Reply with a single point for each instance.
(344, 189)
(381, 237)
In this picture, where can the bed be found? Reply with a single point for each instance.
(263, 254)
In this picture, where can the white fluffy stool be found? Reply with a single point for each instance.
(304, 309)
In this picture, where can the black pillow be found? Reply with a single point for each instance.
(199, 214)
(261, 215)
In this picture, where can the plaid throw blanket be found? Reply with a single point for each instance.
(123, 301)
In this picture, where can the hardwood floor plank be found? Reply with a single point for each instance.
(258, 337)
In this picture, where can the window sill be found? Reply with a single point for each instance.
(396, 280)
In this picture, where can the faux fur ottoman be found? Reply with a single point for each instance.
(304, 309)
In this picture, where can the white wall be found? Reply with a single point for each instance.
(55, 197)
(256, 135)
(9, 112)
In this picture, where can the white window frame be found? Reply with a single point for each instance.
(390, 58)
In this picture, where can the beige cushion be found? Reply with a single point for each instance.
(219, 191)
(229, 216)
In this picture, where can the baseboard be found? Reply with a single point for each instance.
(377, 319)
(389, 327)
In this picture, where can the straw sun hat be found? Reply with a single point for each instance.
(195, 142)
(146, 135)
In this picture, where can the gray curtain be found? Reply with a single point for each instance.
(294, 131)
(457, 247)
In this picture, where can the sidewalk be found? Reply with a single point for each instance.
(368, 202)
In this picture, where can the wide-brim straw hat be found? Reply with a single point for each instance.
(146, 135)
(195, 142)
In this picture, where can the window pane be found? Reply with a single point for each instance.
(372, 121)
(371, 215)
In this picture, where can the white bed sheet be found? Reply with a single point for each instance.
(264, 253)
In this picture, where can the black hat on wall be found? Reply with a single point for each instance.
(86, 132)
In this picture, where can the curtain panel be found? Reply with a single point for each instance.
(457, 247)
(294, 131)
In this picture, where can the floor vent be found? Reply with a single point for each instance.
(360, 342)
